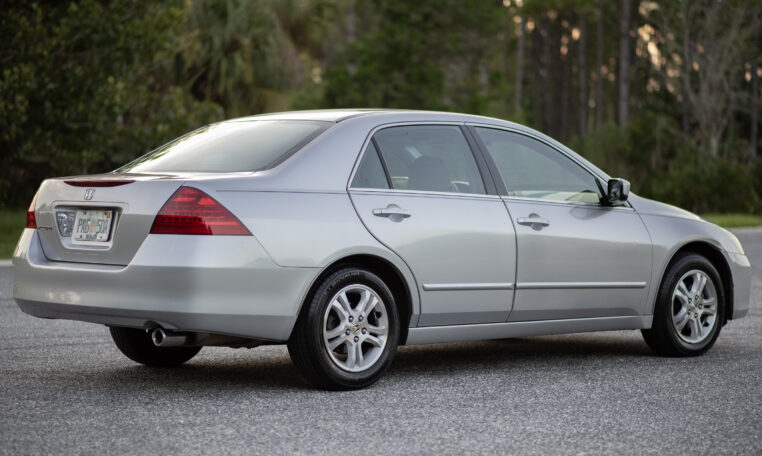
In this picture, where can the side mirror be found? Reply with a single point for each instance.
(617, 192)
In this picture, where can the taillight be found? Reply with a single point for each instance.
(191, 211)
(31, 220)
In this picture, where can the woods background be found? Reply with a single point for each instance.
(663, 93)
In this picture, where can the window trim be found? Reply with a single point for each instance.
(380, 156)
(497, 177)
(482, 167)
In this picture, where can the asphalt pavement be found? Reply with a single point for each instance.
(65, 389)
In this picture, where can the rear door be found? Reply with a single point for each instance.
(419, 191)
(576, 258)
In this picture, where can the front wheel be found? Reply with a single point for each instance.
(347, 335)
(136, 344)
(690, 308)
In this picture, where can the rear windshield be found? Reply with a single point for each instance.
(229, 147)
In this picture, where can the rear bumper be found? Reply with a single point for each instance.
(219, 284)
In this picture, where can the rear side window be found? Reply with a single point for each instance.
(370, 173)
(433, 158)
(229, 147)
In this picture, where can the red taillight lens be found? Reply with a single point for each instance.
(31, 220)
(191, 211)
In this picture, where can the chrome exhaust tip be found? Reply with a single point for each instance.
(162, 338)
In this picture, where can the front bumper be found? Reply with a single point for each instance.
(218, 284)
(740, 270)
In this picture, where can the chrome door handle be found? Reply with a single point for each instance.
(533, 219)
(391, 210)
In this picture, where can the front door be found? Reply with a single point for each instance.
(576, 258)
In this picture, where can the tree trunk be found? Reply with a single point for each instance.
(754, 94)
(686, 71)
(624, 63)
(582, 70)
(351, 34)
(547, 70)
(520, 66)
(598, 69)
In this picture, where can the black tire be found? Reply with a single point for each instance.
(136, 344)
(309, 350)
(664, 338)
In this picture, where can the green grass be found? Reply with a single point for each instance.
(11, 225)
(734, 220)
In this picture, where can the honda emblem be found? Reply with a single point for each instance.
(89, 193)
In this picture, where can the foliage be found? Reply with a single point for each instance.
(77, 93)
(11, 226)
(734, 220)
(416, 55)
(86, 85)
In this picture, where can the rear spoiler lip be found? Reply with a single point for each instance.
(99, 182)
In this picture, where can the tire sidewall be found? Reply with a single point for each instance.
(318, 306)
(664, 313)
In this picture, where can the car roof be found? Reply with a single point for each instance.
(338, 115)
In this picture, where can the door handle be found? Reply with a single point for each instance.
(392, 211)
(532, 220)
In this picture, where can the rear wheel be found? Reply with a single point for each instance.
(136, 344)
(347, 335)
(690, 308)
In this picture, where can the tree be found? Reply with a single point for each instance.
(599, 67)
(708, 39)
(519, 83)
(624, 62)
(77, 92)
(582, 70)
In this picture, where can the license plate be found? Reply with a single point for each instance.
(92, 225)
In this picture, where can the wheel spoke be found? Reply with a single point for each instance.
(377, 330)
(351, 355)
(365, 296)
(701, 278)
(335, 332)
(343, 301)
(342, 314)
(681, 319)
(369, 306)
(682, 297)
(683, 289)
(710, 307)
(694, 325)
(335, 343)
(359, 358)
(373, 340)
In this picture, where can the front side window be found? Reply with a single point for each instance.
(532, 169)
(229, 147)
(434, 158)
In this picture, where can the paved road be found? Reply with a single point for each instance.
(64, 389)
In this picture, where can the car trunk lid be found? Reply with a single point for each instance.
(102, 218)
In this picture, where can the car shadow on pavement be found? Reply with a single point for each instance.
(272, 370)
(522, 352)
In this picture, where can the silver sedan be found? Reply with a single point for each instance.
(347, 233)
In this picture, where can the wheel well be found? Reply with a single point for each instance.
(387, 272)
(715, 257)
